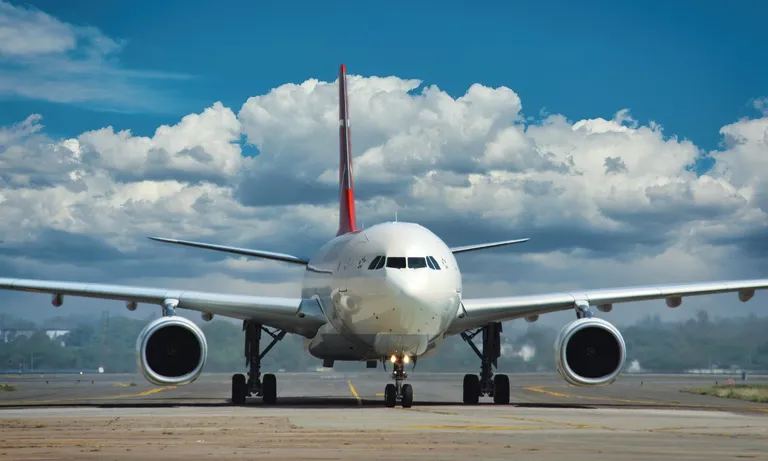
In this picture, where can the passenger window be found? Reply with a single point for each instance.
(434, 262)
(396, 262)
(417, 263)
(374, 263)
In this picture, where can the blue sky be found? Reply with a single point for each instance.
(692, 66)
(462, 168)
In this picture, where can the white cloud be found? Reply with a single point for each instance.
(606, 202)
(44, 58)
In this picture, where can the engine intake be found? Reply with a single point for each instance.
(171, 351)
(589, 352)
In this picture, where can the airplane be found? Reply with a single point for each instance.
(389, 293)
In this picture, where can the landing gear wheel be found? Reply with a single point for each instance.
(407, 397)
(269, 389)
(390, 395)
(239, 389)
(471, 389)
(501, 389)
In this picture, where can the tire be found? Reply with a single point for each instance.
(390, 395)
(269, 389)
(471, 389)
(239, 389)
(501, 389)
(407, 400)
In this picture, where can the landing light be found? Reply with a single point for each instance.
(406, 359)
(393, 359)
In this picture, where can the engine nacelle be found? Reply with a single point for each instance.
(589, 352)
(171, 351)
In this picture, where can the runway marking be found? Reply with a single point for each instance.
(643, 402)
(379, 394)
(543, 391)
(559, 423)
(154, 390)
(354, 392)
(478, 427)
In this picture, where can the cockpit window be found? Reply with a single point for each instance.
(396, 262)
(429, 263)
(417, 263)
(375, 261)
(381, 262)
(434, 263)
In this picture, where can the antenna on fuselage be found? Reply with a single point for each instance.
(395, 216)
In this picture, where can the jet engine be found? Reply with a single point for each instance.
(171, 351)
(590, 351)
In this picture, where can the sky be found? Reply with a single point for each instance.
(627, 140)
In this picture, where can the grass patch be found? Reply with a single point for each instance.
(749, 392)
(7, 387)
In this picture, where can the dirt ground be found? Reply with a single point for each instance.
(275, 438)
(131, 438)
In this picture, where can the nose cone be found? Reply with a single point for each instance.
(418, 311)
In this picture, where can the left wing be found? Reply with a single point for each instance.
(294, 315)
(478, 312)
(238, 251)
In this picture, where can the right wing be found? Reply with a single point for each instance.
(293, 315)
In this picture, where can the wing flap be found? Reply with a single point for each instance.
(293, 315)
(481, 311)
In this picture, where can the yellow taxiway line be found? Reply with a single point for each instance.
(640, 402)
(151, 391)
(354, 392)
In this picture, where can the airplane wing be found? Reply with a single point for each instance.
(238, 251)
(292, 315)
(483, 246)
(478, 312)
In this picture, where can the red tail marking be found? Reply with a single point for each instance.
(347, 219)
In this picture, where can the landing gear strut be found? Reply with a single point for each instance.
(393, 392)
(486, 384)
(266, 388)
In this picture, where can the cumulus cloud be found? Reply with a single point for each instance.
(607, 202)
(44, 58)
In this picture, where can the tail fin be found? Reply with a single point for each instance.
(347, 219)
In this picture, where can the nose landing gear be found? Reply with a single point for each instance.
(403, 392)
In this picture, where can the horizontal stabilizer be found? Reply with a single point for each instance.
(238, 251)
(483, 246)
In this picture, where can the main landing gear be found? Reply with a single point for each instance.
(267, 387)
(403, 392)
(486, 384)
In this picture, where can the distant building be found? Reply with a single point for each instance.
(9, 334)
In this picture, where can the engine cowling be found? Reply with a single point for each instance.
(171, 351)
(589, 352)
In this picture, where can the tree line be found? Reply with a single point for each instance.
(652, 346)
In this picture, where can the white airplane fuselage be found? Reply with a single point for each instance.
(400, 305)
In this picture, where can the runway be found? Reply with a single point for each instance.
(331, 415)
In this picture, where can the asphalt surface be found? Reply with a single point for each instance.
(342, 416)
(333, 389)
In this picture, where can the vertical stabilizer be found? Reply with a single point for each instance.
(347, 219)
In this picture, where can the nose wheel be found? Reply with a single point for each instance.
(398, 391)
